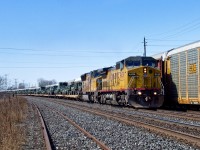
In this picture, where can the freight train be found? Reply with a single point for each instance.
(134, 81)
(171, 78)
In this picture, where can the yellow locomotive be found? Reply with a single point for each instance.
(132, 81)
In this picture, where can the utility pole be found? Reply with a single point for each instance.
(16, 83)
(144, 47)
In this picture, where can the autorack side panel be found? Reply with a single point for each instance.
(198, 72)
(184, 69)
(192, 74)
(183, 75)
(174, 66)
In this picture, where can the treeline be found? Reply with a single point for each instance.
(22, 85)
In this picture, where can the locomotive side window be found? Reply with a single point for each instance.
(119, 65)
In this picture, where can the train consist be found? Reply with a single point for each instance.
(171, 78)
(134, 81)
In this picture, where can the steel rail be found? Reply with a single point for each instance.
(188, 112)
(173, 114)
(101, 145)
(188, 115)
(154, 128)
(44, 130)
(193, 112)
(145, 117)
(166, 121)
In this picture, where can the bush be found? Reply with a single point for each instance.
(12, 115)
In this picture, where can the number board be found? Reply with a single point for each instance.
(192, 68)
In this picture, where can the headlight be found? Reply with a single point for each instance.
(139, 93)
(154, 93)
(145, 70)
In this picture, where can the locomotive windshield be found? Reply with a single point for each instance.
(131, 63)
(151, 63)
(140, 61)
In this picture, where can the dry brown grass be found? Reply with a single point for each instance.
(12, 116)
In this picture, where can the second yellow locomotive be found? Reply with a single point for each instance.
(134, 81)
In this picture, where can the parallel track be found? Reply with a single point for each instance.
(182, 115)
(191, 115)
(155, 128)
(44, 130)
(145, 111)
(99, 143)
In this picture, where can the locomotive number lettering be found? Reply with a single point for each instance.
(192, 68)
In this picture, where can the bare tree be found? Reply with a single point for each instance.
(42, 82)
(21, 86)
(2, 83)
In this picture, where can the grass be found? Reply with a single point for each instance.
(12, 115)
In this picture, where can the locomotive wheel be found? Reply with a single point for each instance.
(95, 99)
(90, 98)
(121, 101)
(101, 99)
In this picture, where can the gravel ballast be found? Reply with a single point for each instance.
(63, 134)
(113, 133)
(33, 130)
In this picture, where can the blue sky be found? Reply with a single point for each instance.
(62, 39)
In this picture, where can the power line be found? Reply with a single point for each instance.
(163, 45)
(189, 29)
(170, 40)
(67, 51)
(48, 67)
(178, 28)
(40, 62)
(61, 55)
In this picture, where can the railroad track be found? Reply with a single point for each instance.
(183, 115)
(187, 115)
(193, 112)
(190, 115)
(50, 145)
(144, 111)
(44, 130)
(131, 121)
